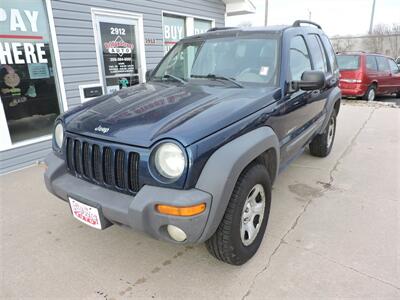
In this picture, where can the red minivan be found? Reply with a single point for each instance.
(367, 75)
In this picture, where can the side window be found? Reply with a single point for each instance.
(317, 53)
(393, 66)
(331, 54)
(299, 58)
(323, 51)
(371, 63)
(383, 64)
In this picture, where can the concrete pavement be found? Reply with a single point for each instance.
(333, 233)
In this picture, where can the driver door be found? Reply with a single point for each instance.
(302, 108)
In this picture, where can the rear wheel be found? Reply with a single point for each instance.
(321, 145)
(398, 94)
(370, 95)
(242, 228)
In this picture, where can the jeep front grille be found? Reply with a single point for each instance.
(103, 165)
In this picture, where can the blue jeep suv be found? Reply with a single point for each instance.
(190, 155)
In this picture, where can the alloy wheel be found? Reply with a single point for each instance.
(252, 214)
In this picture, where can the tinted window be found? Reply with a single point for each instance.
(393, 66)
(371, 63)
(299, 58)
(383, 64)
(330, 52)
(348, 62)
(323, 51)
(318, 53)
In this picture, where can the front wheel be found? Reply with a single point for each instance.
(321, 145)
(242, 228)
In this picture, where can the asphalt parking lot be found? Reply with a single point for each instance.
(333, 233)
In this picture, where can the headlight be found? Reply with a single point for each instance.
(59, 135)
(169, 160)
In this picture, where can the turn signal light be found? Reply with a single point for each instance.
(181, 211)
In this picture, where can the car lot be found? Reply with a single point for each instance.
(389, 99)
(333, 233)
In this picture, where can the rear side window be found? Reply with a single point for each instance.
(330, 52)
(318, 53)
(383, 64)
(371, 63)
(299, 58)
(393, 66)
(348, 62)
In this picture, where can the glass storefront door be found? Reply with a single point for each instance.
(119, 48)
(28, 85)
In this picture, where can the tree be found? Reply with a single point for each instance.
(385, 39)
(342, 44)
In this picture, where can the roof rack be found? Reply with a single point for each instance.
(220, 28)
(298, 22)
(354, 51)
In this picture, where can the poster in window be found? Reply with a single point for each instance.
(174, 30)
(201, 26)
(119, 48)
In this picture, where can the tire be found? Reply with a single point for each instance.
(321, 145)
(398, 95)
(370, 95)
(227, 243)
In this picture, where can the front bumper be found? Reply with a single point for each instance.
(137, 212)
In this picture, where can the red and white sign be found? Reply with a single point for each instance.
(85, 213)
(119, 46)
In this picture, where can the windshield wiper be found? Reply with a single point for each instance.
(176, 78)
(219, 77)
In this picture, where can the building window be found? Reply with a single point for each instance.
(201, 26)
(28, 88)
(176, 27)
(174, 30)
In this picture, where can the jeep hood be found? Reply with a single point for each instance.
(143, 114)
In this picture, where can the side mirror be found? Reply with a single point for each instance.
(148, 74)
(310, 80)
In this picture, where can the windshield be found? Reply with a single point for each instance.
(348, 62)
(247, 60)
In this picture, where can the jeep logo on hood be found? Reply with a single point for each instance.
(102, 129)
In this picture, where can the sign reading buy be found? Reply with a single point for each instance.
(22, 36)
(174, 30)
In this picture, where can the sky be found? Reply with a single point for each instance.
(337, 17)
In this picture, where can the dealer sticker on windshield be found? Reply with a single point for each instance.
(264, 70)
(85, 213)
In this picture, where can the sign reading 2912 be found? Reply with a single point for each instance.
(117, 31)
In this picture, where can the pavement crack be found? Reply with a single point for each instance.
(349, 147)
(348, 267)
(281, 242)
(296, 221)
(263, 269)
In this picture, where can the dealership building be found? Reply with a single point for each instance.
(56, 54)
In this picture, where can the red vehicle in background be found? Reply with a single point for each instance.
(366, 75)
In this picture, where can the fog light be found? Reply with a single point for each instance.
(176, 233)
